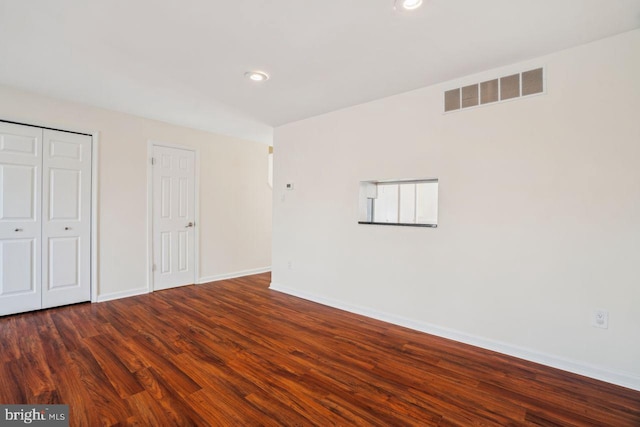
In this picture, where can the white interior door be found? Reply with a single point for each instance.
(20, 218)
(66, 223)
(173, 217)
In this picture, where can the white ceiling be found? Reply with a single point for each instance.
(183, 61)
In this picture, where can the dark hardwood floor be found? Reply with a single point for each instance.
(234, 353)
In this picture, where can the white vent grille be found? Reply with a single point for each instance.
(519, 85)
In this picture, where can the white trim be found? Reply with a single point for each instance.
(122, 294)
(149, 216)
(196, 216)
(48, 125)
(196, 203)
(620, 378)
(233, 275)
(94, 217)
(142, 291)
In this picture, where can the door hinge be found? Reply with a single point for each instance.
(153, 160)
(153, 268)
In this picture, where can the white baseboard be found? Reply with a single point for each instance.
(623, 379)
(123, 294)
(233, 275)
(140, 291)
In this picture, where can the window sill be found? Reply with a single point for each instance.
(401, 224)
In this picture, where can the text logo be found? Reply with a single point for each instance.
(36, 415)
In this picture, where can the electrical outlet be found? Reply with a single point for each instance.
(600, 318)
(290, 265)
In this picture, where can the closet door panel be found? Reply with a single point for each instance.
(64, 262)
(66, 218)
(20, 218)
(18, 192)
(18, 265)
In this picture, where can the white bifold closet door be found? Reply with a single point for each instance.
(20, 218)
(45, 218)
(66, 218)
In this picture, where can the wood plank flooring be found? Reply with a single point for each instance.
(234, 353)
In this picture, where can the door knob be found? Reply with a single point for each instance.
(67, 228)
(18, 230)
(191, 224)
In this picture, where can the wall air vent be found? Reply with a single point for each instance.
(519, 85)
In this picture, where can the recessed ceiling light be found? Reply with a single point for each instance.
(256, 76)
(407, 4)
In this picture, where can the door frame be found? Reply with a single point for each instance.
(196, 202)
(95, 222)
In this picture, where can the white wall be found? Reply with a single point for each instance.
(539, 216)
(235, 199)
